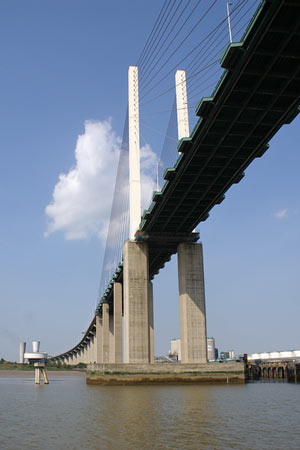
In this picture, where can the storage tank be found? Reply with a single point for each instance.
(176, 348)
(231, 354)
(265, 355)
(211, 353)
(36, 346)
(22, 351)
(275, 355)
(287, 354)
(254, 356)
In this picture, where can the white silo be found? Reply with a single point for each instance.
(265, 355)
(211, 353)
(275, 355)
(21, 352)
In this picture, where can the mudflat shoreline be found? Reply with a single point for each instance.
(30, 373)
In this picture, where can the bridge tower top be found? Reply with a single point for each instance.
(134, 152)
(182, 105)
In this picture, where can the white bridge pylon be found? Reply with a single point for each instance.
(182, 105)
(134, 152)
(134, 138)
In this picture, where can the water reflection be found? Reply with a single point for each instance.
(68, 414)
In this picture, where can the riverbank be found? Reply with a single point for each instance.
(49, 367)
(30, 373)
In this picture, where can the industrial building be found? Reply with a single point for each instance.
(275, 356)
(175, 351)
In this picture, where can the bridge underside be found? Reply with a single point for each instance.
(257, 94)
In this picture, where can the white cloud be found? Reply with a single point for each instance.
(281, 214)
(81, 200)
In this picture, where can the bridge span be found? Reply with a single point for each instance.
(258, 93)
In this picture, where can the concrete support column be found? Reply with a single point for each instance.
(111, 334)
(98, 340)
(136, 294)
(105, 332)
(81, 354)
(192, 303)
(87, 352)
(93, 358)
(118, 352)
(151, 322)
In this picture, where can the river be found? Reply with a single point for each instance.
(68, 414)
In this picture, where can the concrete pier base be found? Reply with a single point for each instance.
(151, 323)
(192, 303)
(125, 374)
(98, 340)
(105, 333)
(136, 297)
(118, 352)
(111, 356)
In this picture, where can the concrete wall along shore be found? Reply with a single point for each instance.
(113, 374)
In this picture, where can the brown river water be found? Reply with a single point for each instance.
(68, 414)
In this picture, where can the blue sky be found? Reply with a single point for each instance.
(64, 68)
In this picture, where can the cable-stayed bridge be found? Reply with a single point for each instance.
(258, 92)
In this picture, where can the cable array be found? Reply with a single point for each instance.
(169, 152)
(118, 228)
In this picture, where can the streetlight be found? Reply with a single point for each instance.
(228, 18)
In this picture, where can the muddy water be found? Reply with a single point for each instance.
(68, 414)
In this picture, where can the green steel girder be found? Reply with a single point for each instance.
(258, 93)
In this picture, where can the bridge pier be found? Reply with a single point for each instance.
(78, 357)
(111, 339)
(192, 303)
(92, 349)
(105, 333)
(117, 319)
(151, 322)
(136, 303)
(87, 352)
(98, 340)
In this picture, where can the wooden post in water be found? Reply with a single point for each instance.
(37, 368)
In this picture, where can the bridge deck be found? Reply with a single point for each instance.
(257, 94)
